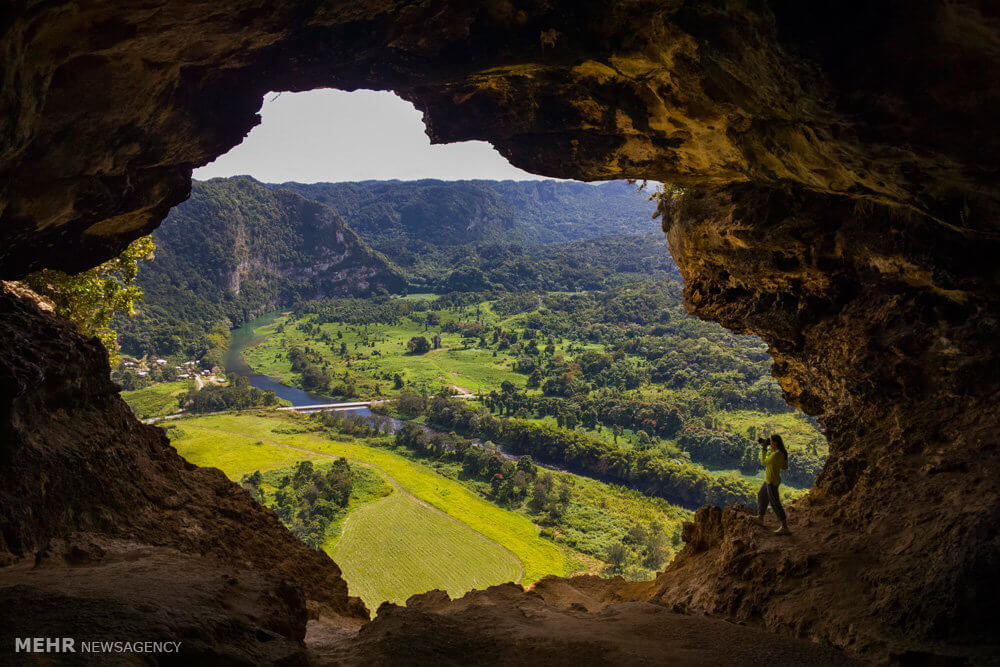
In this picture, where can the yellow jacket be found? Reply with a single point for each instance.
(773, 464)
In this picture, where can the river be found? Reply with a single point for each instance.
(235, 364)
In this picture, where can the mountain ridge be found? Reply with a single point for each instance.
(238, 247)
(235, 250)
(479, 210)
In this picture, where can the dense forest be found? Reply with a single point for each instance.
(513, 235)
(238, 248)
(435, 213)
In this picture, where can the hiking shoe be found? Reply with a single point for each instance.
(782, 531)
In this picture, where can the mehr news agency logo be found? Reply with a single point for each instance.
(70, 645)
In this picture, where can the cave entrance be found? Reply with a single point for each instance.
(422, 339)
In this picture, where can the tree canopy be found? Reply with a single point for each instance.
(93, 297)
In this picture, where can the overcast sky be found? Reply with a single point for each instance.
(332, 135)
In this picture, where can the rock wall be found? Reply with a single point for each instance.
(105, 110)
(82, 476)
(885, 327)
(841, 162)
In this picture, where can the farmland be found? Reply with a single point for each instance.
(503, 543)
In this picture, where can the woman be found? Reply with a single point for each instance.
(774, 462)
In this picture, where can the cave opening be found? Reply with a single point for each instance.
(230, 299)
(844, 213)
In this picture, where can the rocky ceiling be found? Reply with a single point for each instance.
(106, 107)
(840, 162)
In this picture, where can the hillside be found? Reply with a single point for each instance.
(457, 212)
(475, 235)
(236, 249)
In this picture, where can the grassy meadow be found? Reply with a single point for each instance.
(398, 546)
(158, 400)
(379, 352)
(795, 427)
(598, 515)
(239, 444)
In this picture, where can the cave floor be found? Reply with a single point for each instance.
(504, 626)
(219, 612)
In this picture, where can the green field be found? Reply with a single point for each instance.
(599, 515)
(158, 400)
(374, 364)
(396, 547)
(239, 444)
(794, 427)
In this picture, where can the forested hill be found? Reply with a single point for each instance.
(389, 214)
(237, 249)
(478, 235)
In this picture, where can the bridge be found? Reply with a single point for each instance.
(325, 407)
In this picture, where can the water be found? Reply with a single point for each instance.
(381, 422)
(235, 364)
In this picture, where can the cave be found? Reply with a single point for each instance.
(840, 170)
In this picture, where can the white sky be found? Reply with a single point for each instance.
(332, 135)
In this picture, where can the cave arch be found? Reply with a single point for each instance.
(846, 213)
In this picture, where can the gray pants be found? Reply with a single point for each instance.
(768, 494)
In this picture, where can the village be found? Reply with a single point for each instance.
(137, 373)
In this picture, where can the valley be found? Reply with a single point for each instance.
(554, 410)
(455, 538)
(208, 213)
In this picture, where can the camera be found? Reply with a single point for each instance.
(762, 442)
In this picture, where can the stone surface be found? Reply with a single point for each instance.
(107, 108)
(582, 621)
(115, 591)
(886, 328)
(76, 462)
(841, 161)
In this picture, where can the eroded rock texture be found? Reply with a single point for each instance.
(95, 498)
(885, 326)
(843, 162)
(106, 109)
